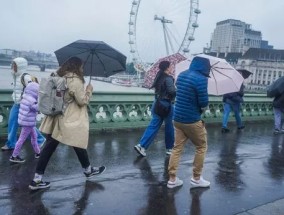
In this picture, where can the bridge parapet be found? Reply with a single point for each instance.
(119, 110)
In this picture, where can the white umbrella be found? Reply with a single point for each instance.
(223, 77)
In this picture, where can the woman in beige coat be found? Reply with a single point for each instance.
(70, 128)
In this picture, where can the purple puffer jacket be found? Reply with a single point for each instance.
(29, 106)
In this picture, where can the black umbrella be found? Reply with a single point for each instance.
(99, 58)
(245, 73)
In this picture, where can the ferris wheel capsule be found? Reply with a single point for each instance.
(197, 11)
(195, 25)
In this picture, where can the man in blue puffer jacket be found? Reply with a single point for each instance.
(191, 98)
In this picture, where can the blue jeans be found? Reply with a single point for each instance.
(154, 126)
(13, 128)
(227, 110)
(278, 118)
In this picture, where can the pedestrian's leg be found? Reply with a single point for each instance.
(25, 131)
(49, 148)
(34, 140)
(152, 130)
(83, 157)
(237, 113)
(277, 118)
(169, 130)
(282, 121)
(180, 140)
(198, 136)
(226, 114)
(13, 126)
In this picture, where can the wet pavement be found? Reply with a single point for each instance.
(246, 170)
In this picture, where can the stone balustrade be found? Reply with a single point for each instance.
(118, 110)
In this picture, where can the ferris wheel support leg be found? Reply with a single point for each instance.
(166, 40)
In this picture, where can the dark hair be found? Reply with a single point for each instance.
(164, 65)
(72, 65)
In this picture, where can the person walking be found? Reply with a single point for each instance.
(233, 101)
(191, 99)
(71, 127)
(19, 67)
(27, 119)
(278, 109)
(164, 94)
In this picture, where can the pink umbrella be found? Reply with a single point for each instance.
(152, 72)
(223, 77)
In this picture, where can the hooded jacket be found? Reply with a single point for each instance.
(28, 106)
(22, 65)
(192, 94)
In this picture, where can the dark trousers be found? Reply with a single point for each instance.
(50, 146)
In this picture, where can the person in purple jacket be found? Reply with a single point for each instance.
(27, 120)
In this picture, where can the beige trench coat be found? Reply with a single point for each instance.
(71, 128)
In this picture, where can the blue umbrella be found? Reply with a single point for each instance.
(99, 58)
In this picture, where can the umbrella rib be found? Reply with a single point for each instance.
(86, 60)
(224, 75)
(77, 54)
(101, 63)
(224, 68)
(215, 82)
(221, 72)
(111, 58)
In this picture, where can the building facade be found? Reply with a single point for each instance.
(266, 65)
(234, 36)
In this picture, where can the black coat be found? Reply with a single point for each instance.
(278, 101)
(234, 98)
(164, 86)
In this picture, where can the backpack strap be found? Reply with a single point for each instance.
(23, 79)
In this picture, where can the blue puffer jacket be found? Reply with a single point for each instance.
(191, 94)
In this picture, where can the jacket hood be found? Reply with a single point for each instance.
(32, 89)
(22, 65)
(201, 65)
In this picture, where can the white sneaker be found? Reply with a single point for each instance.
(140, 150)
(199, 183)
(169, 151)
(176, 183)
(6, 148)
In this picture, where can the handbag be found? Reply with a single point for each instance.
(162, 107)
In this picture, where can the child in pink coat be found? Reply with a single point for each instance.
(27, 120)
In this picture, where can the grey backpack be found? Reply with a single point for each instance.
(51, 95)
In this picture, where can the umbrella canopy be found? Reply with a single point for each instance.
(223, 77)
(152, 72)
(276, 88)
(245, 73)
(99, 58)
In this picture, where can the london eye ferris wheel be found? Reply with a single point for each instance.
(159, 28)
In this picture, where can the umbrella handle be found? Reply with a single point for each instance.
(90, 80)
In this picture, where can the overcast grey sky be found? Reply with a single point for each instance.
(46, 25)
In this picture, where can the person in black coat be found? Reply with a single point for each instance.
(232, 101)
(162, 110)
(278, 109)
